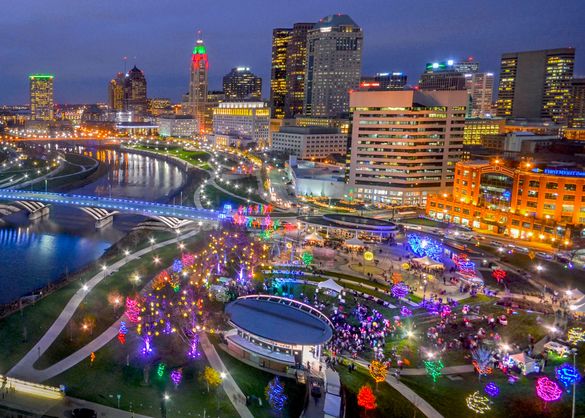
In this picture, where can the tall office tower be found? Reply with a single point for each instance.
(334, 57)
(447, 75)
(480, 87)
(242, 84)
(577, 114)
(536, 84)
(384, 81)
(280, 40)
(41, 96)
(296, 63)
(404, 144)
(116, 93)
(198, 85)
(135, 92)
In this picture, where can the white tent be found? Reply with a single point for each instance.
(428, 262)
(576, 295)
(527, 364)
(354, 242)
(578, 309)
(331, 285)
(314, 237)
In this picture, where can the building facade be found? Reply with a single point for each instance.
(296, 63)
(384, 81)
(480, 87)
(281, 38)
(522, 202)
(242, 84)
(41, 96)
(404, 144)
(159, 106)
(177, 126)
(116, 93)
(245, 122)
(309, 143)
(198, 85)
(536, 84)
(577, 111)
(135, 98)
(334, 55)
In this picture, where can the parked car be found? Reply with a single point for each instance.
(546, 256)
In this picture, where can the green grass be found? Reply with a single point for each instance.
(109, 376)
(252, 381)
(98, 303)
(424, 222)
(390, 402)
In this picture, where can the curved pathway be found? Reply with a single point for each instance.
(24, 368)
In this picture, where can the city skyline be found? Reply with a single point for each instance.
(84, 63)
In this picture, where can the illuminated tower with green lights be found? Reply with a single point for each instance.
(198, 85)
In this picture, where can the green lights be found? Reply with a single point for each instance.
(41, 76)
(199, 49)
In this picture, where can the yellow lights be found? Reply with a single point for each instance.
(33, 389)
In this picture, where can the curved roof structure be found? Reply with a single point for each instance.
(335, 20)
(280, 319)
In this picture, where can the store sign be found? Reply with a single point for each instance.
(564, 173)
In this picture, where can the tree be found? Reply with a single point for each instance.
(275, 395)
(482, 359)
(366, 398)
(434, 368)
(211, 377)
(378, 371)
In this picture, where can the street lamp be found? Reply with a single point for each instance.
(574, 351)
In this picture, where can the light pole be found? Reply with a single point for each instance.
(574, 351)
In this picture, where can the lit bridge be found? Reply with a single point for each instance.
(103, 209)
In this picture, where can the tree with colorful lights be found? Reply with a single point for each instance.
(434, 368)
(366, 398)
(567, 375)
(211, 377)
(492, 389)
(275, 395)
(499, 275)
(378, 371)
(482, 360)
(307, 258)
(478, 403)
(547, 390)
(576, 335)
(400, 290)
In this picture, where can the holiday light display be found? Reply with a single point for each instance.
(567, 375)
(122, 332)
(378, 371)
(193, 348)
(492, 389)
(366, 398)
(160, 370)
(177, 266)
(397, 277)
(307, 258)
(425, 247)
(575, 335)
(464, 265)
(547, 390)
(482, 359)
(478, 403)
(176, 377)
(275, 395)
(445, 311)
(400, 290)
(368, 256)
(132, 310)
(405, 312)
(499, 275)
(434, 368)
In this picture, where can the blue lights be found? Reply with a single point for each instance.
(425, 246)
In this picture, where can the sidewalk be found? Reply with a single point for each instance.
(234, 393)
(24, 368)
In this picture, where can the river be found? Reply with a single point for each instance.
(33, 254)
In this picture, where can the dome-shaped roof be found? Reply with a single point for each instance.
(335, 20)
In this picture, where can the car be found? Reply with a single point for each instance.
(315, 390)
(496, 243)
(83, 413)
(544, 255)
(522, 250)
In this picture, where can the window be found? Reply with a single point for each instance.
(531, 204)
(552, 186)
(551, 196)
(532, 193)
(549, 206)
(570, 187)
(534, 183)
(569, 198)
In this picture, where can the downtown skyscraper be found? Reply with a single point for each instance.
(289, 59)
(135, 98)
(41, 96)
(242, 84)
(198, 85)
(116, 93)
(334, 57)
(536, 84)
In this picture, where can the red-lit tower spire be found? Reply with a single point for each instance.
(198, 83)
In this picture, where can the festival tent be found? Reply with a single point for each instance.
(314, 237)
(356, 242)
(428, 262)
(578, 309)
(331, 285)
(577, 295)
(527, 364)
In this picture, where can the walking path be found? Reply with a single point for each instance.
(234, 393)
(24, 368)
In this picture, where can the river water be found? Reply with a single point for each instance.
(33, 254)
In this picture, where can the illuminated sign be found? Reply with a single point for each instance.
(564, 173)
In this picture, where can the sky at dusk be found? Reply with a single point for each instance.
(82, 42)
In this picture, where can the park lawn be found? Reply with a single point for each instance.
(37, 318)
(425, 222)
(390, 402)
(252, 381)
(218, 198)
(97, 303)
(109, 376)
(518, 400)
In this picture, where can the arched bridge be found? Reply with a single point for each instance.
(102, 209)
